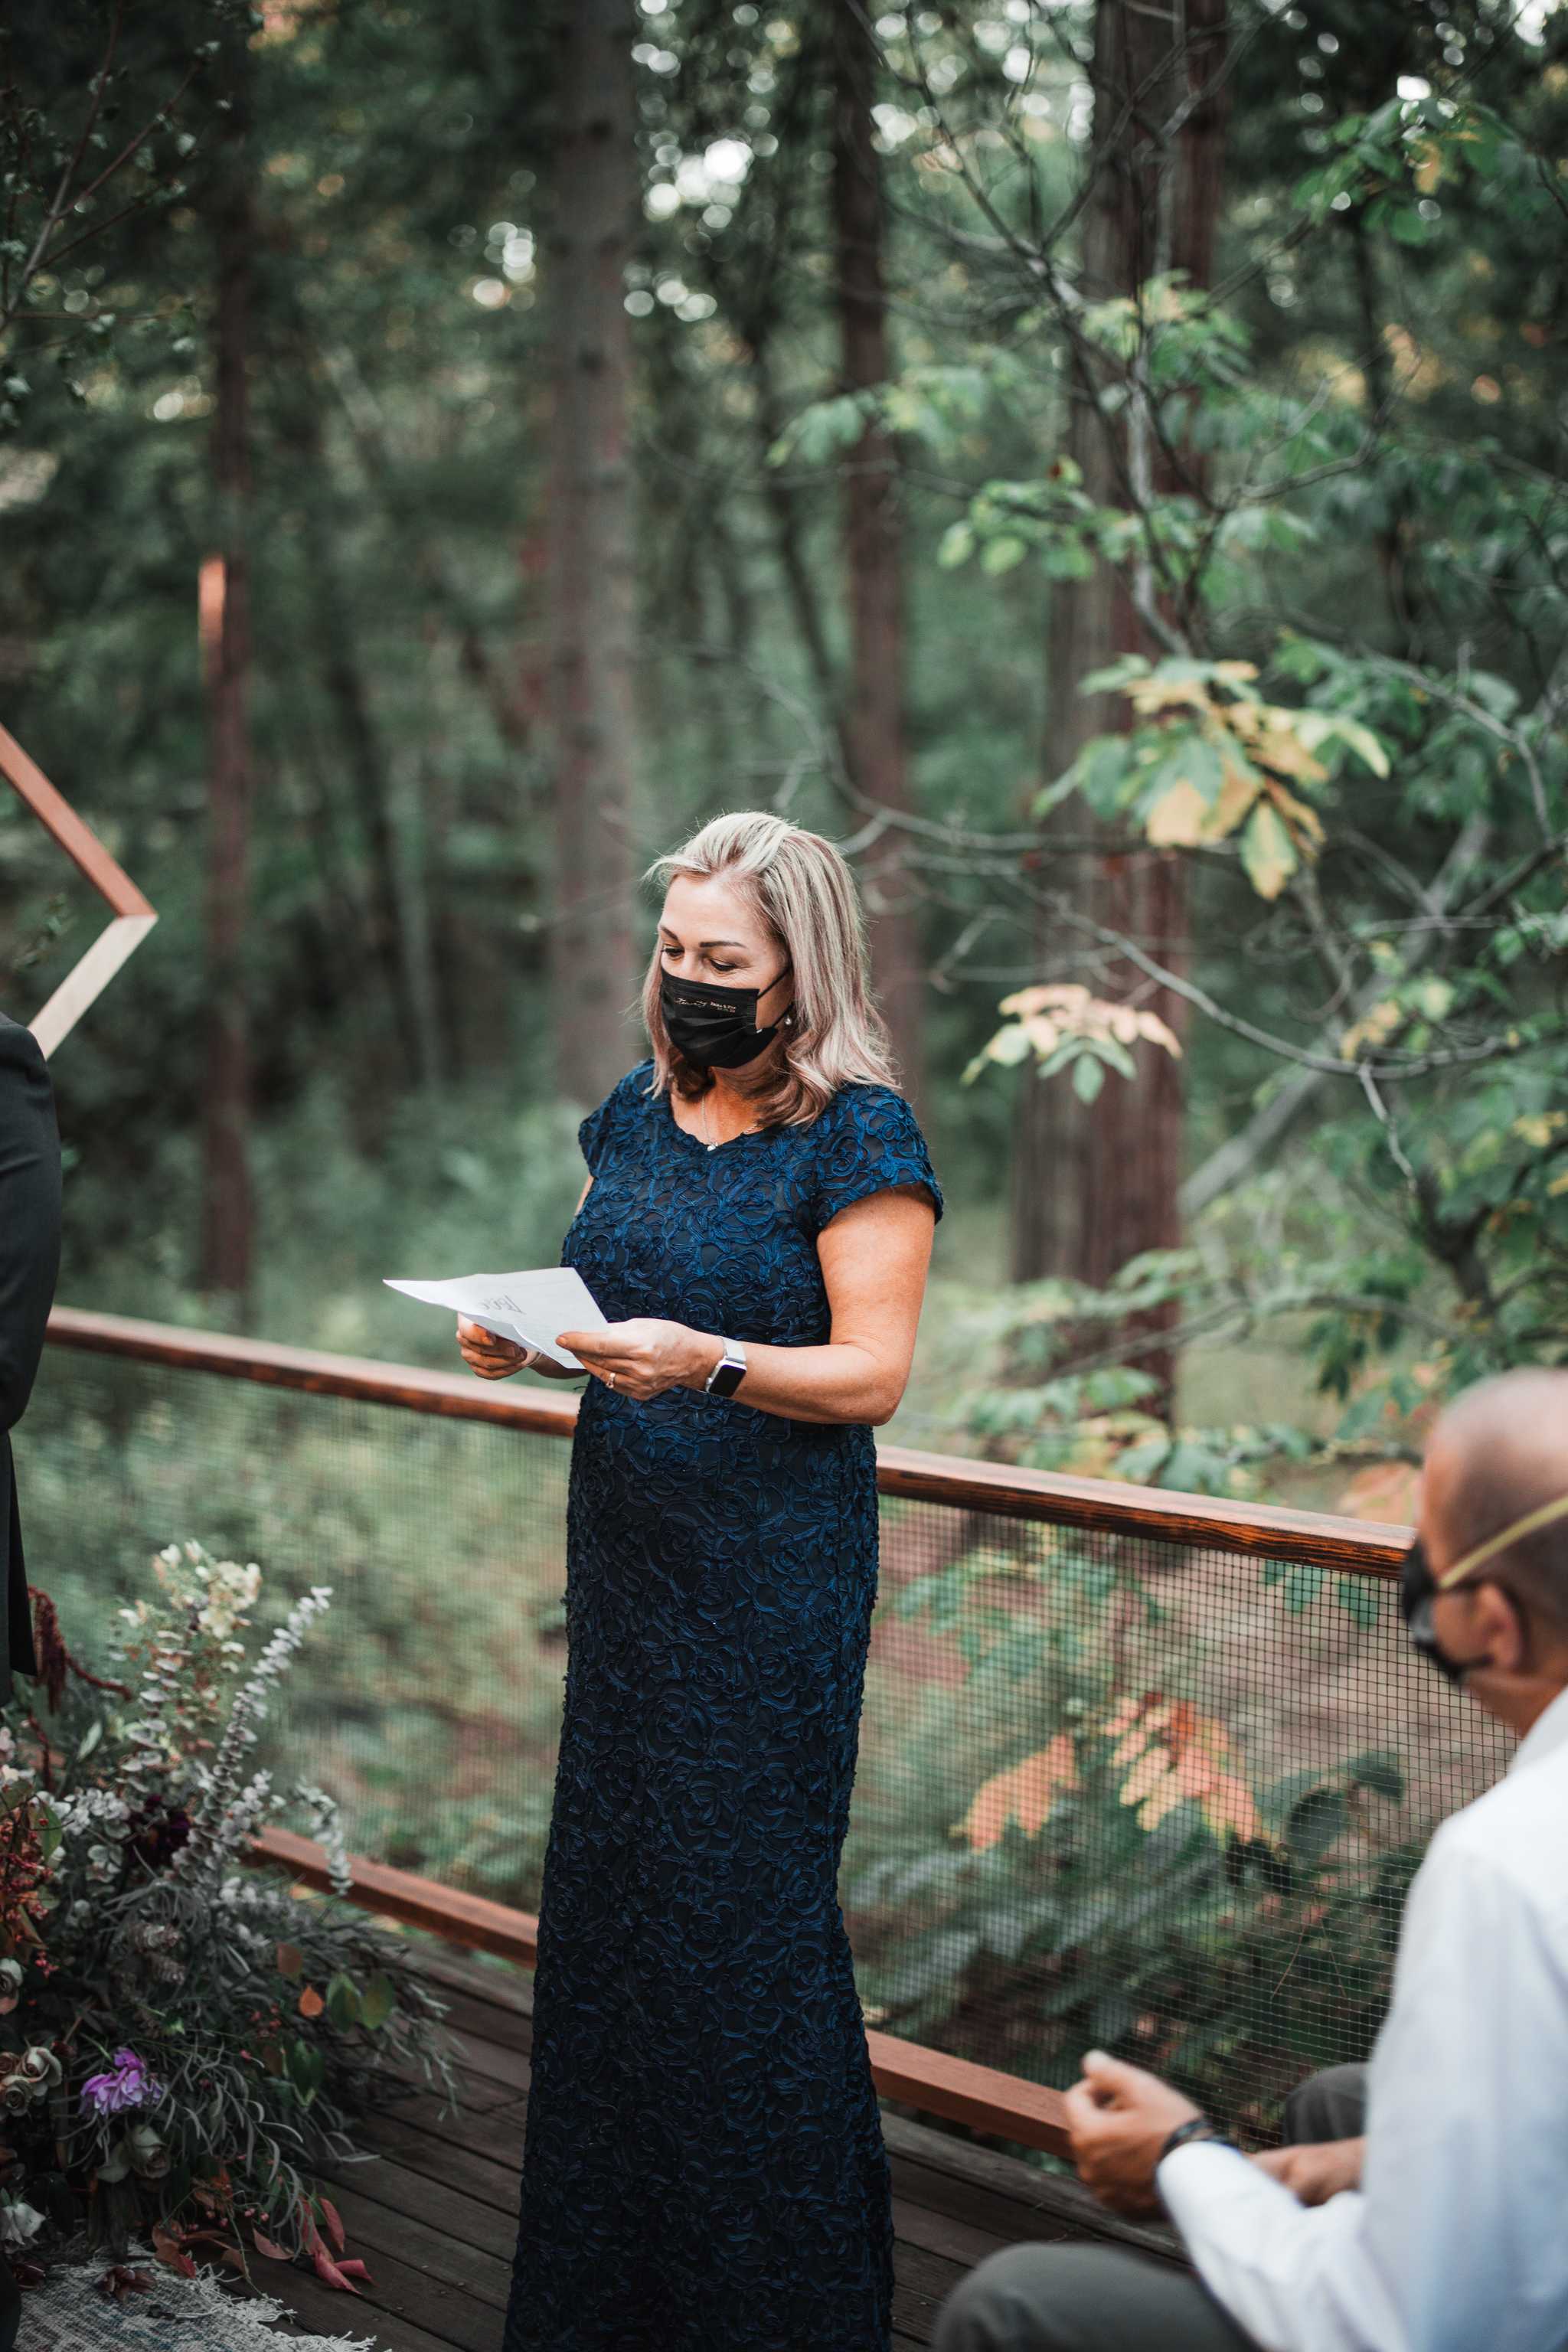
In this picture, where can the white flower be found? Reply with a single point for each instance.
(20, 2223)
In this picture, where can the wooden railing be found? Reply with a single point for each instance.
(1262, 1530)
(984, 2097)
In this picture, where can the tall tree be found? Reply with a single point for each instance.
(590, 562)
(228, 1214)
(1097, 1183)
(874, 731)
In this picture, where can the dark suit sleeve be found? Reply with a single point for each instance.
(29, 1214)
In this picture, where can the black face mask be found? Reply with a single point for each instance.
(1418, 1588)
(714, 1028)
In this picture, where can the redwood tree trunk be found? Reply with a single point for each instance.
(1095, 1186)
(873, 730)
(228, 1214)
(595, 960)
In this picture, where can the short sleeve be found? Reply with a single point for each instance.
(597, 1132)
(871, 1143)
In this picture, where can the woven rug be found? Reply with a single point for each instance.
(69, 2315)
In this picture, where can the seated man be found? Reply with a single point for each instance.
(1444, 2230)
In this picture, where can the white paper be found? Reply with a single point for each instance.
(531, 1307)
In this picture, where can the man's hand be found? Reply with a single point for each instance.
(1120, 2118)
(644, 1356)
(1318, 2171)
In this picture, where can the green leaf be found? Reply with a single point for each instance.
(1379, 1770)
(1357, 1596)
(1102, 770)
(1116, 675)
(1111, 1050)
(344, 2005)
(1088, 1078)
(956, 547)
(1316, 1820)
(821, 431)
(1364, 743)
(377, 2001)
(1141, 1462)
(1067, 558)
(1303, 1586)
(307, 2069)
(1001, 554)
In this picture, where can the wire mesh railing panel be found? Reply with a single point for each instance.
(427, 1700)
(1124, 1793)
(1111, 1790)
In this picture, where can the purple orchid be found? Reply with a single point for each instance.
(128, 2085)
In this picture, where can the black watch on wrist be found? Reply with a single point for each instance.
(1195, 2128)
(729, 1371)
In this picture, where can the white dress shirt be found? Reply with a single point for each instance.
(1457, 2239)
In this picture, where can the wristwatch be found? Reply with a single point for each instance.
(729, 1371)
(1195, 2128)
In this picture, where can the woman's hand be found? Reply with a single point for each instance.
(493, 1358)
(645, 1357)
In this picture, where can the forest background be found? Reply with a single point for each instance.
(1103, 464)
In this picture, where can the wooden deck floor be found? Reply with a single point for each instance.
(433, 2213)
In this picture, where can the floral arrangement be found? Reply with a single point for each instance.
(182, 2035)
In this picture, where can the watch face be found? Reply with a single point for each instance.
(727, 1378)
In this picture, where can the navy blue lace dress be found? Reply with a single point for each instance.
(703, 2167)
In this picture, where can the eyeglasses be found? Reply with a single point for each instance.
(1419, 1586)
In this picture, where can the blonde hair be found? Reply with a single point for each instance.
(804, 893)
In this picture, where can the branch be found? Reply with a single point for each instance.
(1333, 1065)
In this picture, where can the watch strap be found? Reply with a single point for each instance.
(1196, 2129)
(729, 1371)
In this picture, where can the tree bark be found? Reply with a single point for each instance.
(1097, 1185)
(874, 731)
(227, 1208)
(594, 946)
(366, 760)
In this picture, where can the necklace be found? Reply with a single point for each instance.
(708, 1137)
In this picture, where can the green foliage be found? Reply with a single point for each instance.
(1097, 1869)
(209, 2032)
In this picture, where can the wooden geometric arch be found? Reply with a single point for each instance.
(133, 916)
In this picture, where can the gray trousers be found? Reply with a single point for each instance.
(1099, 2299)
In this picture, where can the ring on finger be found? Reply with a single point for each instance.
(609, 1380)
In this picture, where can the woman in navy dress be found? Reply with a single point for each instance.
(703, 2167)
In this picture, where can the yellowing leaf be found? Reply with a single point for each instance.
(1152, 694)
(1558, 1186)
(1024, 1793)
(1178, 817)
(1268, 852)
(1374, 1028)
(310, 2003)
(1170, 1755)
(1237, 795)
(1306, 820)
(1279, 747)
(1068, 996)
(1158, 1033)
